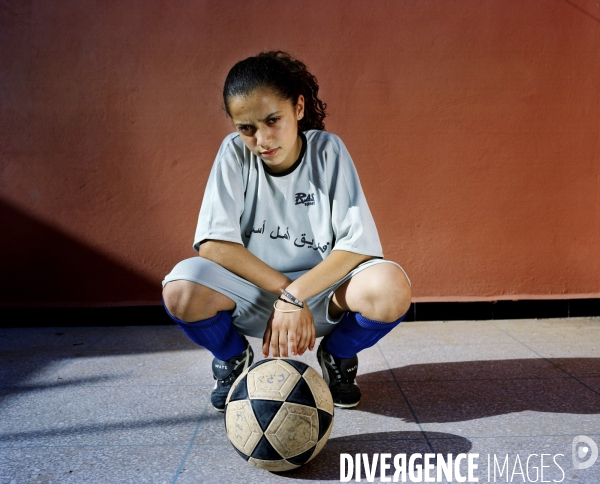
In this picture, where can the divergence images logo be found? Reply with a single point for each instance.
(584, 448)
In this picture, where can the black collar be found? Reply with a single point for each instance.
(289, 170)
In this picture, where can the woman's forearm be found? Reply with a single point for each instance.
(239, 260)
(335, 266)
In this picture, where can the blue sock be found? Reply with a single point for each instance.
(355, 333)
(217, 334)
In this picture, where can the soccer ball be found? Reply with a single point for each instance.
(279, 414)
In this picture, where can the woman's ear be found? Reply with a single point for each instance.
(300, 107)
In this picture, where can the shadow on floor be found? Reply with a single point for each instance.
(97, 429)
(435, 392)
(455, 392)
(426, 393)
(326, 465)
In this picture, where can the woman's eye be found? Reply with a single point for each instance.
(245, 129)
(272, 120)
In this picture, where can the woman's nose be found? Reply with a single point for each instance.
(263, 138)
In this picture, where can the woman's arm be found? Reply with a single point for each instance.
(239, 260)
(294, 328)
(335, 266)
(298, 328)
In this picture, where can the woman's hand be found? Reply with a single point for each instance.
(296, 328)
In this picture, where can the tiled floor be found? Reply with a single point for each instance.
(131, 404)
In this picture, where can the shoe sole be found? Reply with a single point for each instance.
(346, 405)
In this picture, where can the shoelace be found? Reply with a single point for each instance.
(227, 380)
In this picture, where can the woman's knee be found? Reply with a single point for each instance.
(178, 296)
(189, 301)
(387, 293)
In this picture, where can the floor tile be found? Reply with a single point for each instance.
(31, 355)
(218, 464)
(519, 368)
(50, 341)
(30, 368)
(94, 465)
(552, 330)
(382, 408)
(124, 404)
(452, 362)
(509, 456)
(505, 407)
(183, 367)
(433, 333)
(102, 415)
(593, 383)
(134, 339)
(575, 358)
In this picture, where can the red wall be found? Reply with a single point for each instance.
(475, 126)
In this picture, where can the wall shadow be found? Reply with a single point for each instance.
(41, 265)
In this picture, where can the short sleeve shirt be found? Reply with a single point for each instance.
(290, 220)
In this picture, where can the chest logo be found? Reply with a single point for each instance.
(305, 199)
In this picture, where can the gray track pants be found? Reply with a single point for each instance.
(254, 305)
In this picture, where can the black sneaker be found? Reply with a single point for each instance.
(226, 372)
(339, 374)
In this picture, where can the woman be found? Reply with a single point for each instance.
(288, 249)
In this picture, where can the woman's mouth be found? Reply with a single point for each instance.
(269, 153)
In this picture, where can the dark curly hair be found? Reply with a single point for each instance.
(285, 76)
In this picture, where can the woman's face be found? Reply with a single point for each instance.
(268, 126)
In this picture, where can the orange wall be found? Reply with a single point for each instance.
(475, 127)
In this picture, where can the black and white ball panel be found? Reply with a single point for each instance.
(243, 428)
(293, 430)
(272, 382)
(320, 390)
(279, 415)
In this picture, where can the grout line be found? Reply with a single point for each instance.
(338, 440)
(455, 437)
(551, 362)
(94, 446)
(511, 436)
(41, 386)
(191, 444)
(406, 400)
(466, 380)
(416, 419)
(462, 345)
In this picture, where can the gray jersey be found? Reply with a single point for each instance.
(290, 220)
